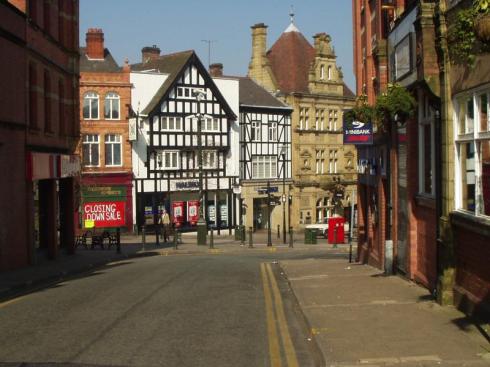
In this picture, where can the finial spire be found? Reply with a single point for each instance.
(291, 14)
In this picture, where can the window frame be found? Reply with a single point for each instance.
(163, 156)
(90, 96)
(426, 117)
(205, 158)
(111, 97)
(476, 139)
(113, 144)
(88, 142)
(272, 130)
(167, 123)
(264, 160)
(256, 130)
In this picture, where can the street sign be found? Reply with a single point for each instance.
(263, 190)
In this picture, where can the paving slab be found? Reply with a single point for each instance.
(360, 317)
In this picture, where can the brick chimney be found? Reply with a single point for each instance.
(216, 70)
(149, 53)
(95, 43)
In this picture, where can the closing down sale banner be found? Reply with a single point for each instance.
(103, 214)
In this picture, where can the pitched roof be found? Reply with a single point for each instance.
(174, 65)
(107, 65)
(348, 93)
(290, 58)
(252, 94)
(170, 64)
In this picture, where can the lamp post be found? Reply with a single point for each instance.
(201, 222)
(283, 153)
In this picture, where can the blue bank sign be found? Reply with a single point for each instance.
(358, 133)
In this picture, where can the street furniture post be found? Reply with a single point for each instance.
(118, 240)
(176, 239)
(211, 239)
(143, 236)
(278, 231)
(291, 237)
(269, 229)
(250, 239)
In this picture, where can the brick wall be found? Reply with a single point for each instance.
(472, 268)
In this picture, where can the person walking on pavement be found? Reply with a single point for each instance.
(165, 221)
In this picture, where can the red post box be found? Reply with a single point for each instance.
(178, 213)
(336, 230)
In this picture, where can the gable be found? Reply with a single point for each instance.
(192, 75)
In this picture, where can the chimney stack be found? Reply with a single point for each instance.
(216, 70)
(95, 43)
(149, 53)
(259, 42)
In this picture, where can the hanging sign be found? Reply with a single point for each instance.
(358, 133)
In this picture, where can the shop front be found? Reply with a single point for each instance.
(183, 205)
(113, 191)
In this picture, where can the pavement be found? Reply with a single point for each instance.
(360, 317)
(357, 316)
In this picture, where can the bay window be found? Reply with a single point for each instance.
(264, 167)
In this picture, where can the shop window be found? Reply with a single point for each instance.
(90, 150)
(111, 106)
(91, 106)
(112, 150)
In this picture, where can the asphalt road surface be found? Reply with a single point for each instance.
(204, 310)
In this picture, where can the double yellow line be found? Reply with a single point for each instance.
(276, 320)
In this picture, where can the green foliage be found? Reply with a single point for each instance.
(396, 104)
(481, 6)
(463, 45)
(462, 37)
(362, 111)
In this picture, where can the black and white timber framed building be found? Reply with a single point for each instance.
(165, 143)
(265, 157)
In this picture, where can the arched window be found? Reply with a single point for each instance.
(322, 72)
(91, 106)
(329, 73)
(111, 106)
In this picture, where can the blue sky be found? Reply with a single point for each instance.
(129, 25)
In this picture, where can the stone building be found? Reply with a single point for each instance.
(308, 79)
(105, 96)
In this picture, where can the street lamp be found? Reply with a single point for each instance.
(200, 94)
(283, 153)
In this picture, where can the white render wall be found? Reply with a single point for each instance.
(229, 88)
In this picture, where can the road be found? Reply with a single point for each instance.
(204, 310)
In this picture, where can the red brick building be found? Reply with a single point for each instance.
(39, 129)
(105, 96)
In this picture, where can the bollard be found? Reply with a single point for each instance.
(291, 237)
(242, 236)
(250, 239)
(335, 237)
(211, 239)
(176, 239)
(278, 231)
(118, 240)
(143, 236)
(157, 234)
(350, 247)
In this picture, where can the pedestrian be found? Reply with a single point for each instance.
(165, 222)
